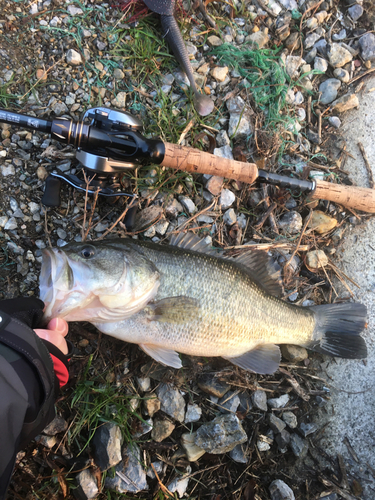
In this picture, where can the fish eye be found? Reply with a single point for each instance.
(87, 252)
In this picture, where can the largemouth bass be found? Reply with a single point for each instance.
(182, 299)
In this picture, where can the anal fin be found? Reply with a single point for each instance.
(263, 359)
(161, 355)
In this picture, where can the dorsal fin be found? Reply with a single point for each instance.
(262, 270)
(190, 241)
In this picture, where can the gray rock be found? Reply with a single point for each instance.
(338, 55)
(222, 138)
(161, 430)
(227, 198)
(11, 224)
(298, 445)
(337, 37)
(309, 428)
(289, 4)
(230, 217)
(107, 443)
(179, 485)
(281, 491)
(171, 401)
(282, 440)
(47, 441)
(7, 170)
(173, 208)
(310, 56)
(229, 403)
(292, 65)
(221, 434)
(129, 473)
(238, 454)
(58, 424)
(87, 486)
(240, 119)
(329, 90)
(74, 11)
(311, 40)
(276, 424)
(335, 121)
(355, 11)
(193, 413)
(143, 427)
(313, 136)
(188, 204)
(290, 419)
(367, 45)
(278, 402)
(3, 220)
(73, 57)
(211, 385)
(291, 223)
(144, 383)
(224, 152)
(259, 400)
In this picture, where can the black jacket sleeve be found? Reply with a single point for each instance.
(28, 386)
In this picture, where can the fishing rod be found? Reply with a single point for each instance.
(110, 142)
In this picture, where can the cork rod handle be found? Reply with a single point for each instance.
(196, 161)
(355, 197)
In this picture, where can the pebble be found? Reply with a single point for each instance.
(355, 11)
(294, 353)
(171, 401)
(321, 222)
(238, 454)
(173, 208)
(151, 405)
(214, 41)
(337, 37)
(344, 103)
(263, 445)
(221, 434)
(316, 259)
(329, 90)
(11, 224)
(87, 485)
(338, 55)
(224, 152)
(282, 440)
(308, 429)
(73, 57)
(335, 121)
(258, 39)
(179, 485)
(220, 73)
(280, 491)
(107, 442)
(58, 424)
(278, 402)
(188, 204)
(120, 100)
(292, 65)
(230, 217)
(240, 118)
(367, 45)
(131, 467)
(290, 419)
(193, 452)
(289, 4)
(229, 402)
(7, 170)
(161, 430)
(215, 184)
(291, 223)
(298, 445)
(227, 198)
(193, 413)
(276, 424)
(211, 385)
(144, 383)
(259, 400)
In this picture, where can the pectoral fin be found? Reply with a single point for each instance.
(161, 355)
(264, 359)
(177, 310)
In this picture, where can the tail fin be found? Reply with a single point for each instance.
(338, 328)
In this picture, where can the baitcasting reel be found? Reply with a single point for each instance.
(101, 170)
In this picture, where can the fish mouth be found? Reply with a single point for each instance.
(55, 276)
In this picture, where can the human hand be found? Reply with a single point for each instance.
(55, 332)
